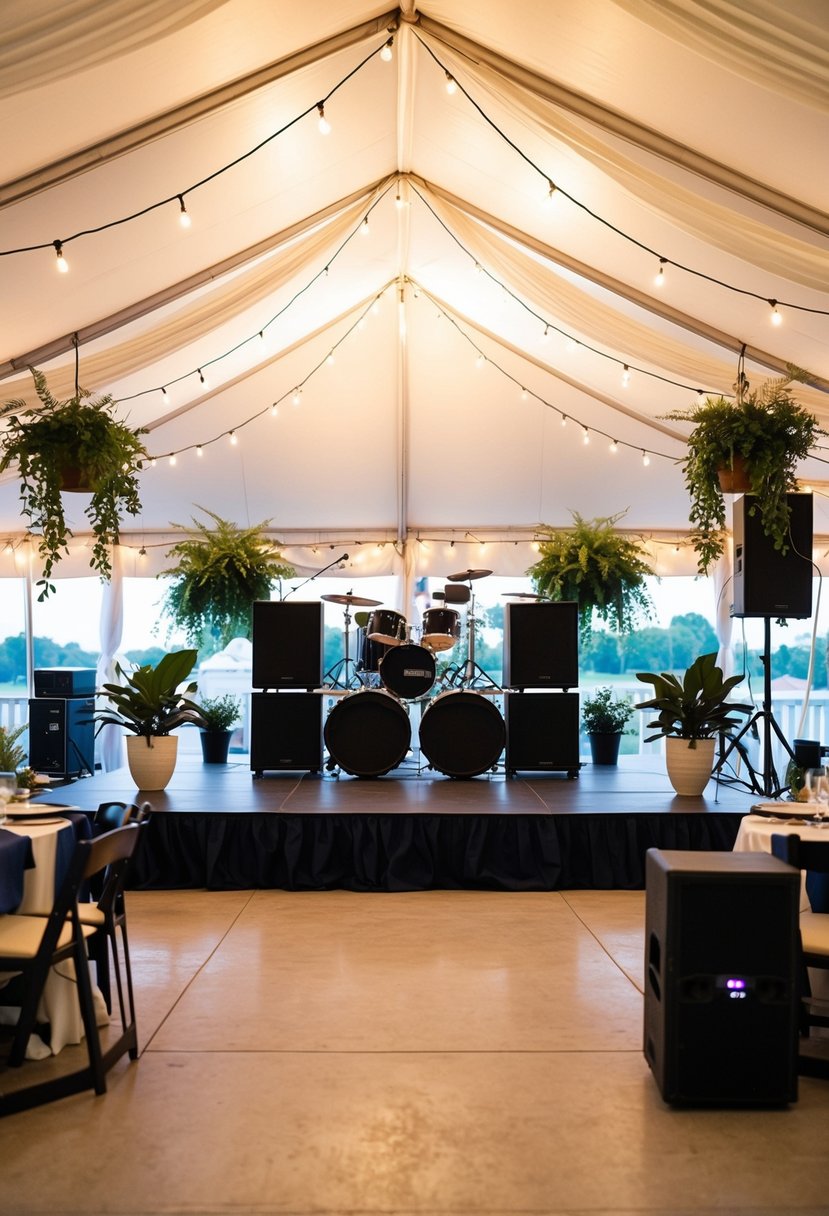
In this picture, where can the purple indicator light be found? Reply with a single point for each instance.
(739, 985)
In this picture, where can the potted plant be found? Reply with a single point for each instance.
(221, 569)
(603, 571)
(78, 444)
(12, 754)
(762, 434)
(604, 718)
(219, 715)
(692, 711)
(149, 704)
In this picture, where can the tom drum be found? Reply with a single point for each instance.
(408, 671)
(367, 732)
(462, 733)
(441, 628)
(385, 625)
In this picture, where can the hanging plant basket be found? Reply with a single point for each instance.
(74, 480)
(734, 478)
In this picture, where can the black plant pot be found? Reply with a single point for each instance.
(605, 748)
(215, 745)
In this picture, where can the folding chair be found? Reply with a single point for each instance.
(108, 816)
(813, 857)
(32, 944)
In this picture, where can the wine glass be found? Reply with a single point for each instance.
(817, 786)
(8, 788)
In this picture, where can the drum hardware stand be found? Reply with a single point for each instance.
(470, 673)
(769, 786)
(346, 667)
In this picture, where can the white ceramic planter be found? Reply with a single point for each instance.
(689, 768)
(152, 767)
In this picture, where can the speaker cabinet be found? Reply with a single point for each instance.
(766, 581)
(65, 682)
(542, 731)
(541, 645)
(286, 731)
(721, 998)
(62, 736)
(287, 644)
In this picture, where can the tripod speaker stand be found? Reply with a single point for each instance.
(769, 786)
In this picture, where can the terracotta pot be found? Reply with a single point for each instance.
(151, 766)
(689, 768)
(604, 748)
(734, 477)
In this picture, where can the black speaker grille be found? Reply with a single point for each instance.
(287, 644)
(541, 645)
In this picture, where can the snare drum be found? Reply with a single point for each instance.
(441, 628)
(368, 732)
(408, 671)
(385, 625)
(462, 733)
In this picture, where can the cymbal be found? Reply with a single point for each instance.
(524, 595)
(359, 600)
(466, 575)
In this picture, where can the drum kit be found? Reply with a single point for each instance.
(368, 730)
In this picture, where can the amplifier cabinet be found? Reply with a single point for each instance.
(62, 735)
(286, 731)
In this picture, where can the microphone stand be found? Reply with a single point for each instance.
(311, 577)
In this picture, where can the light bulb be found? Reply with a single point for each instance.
(625, 376)
(62, 264)
(659, 278)
(153, 462)
(329, 358)
(524, 394)
(274, 410)
(297, 397)
(232, 438)
(364, 228)
(172, 458)
(545, 337)
(614, 447)
(199, 450)
(451, 84)
(386, 54)
(551, 190)
(645, 458)
(776, 318)
(564, 420)
(165, 396)
(142, 552)
(480, 361)
(398, 201)
(201, 376)
(586, 436)
(183, 217)
(324, 124)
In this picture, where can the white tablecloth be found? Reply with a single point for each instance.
(59, 1002)
(756, 831)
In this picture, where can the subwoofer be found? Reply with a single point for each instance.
(766, 581)
(286, 731)
(721, 998)
(62, 735)
(542, 731)
(287, 644)
(541, 645)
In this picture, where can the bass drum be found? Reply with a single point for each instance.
(441, 628)
(408, 671)
(462, 733)
(367, 732)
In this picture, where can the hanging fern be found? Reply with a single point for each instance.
(221, 569)
(596, 566)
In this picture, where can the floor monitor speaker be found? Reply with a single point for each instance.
(721, 998)
(541, 645)
(62, 736)
(286, 731)
(766, 581)
(287, 644)
(542, 731)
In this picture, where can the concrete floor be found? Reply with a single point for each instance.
(435, 1052)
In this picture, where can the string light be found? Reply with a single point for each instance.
(645, 458)
(545, 337)
(564, 420)
(274, 410)
(551, 189)
(585, 436)
(183, 216)
(165, 396)
(776, 318)
(659, 279)
(153, 462)
(625, 376)
(451, 84)
(480, 361)
(324, 124)
(233, 438)
(524, 393)
(62, 264)
(201, 376)
(614, 447)
(386, 53)
(364, 227)
(297, 396)
(329, 358)
(142, 552)
(199, 450)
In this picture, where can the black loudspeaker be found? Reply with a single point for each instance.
(62, 736)
(65, 682)
(542, 731)
(721, 999)
(286, 731)
(541, 645)
(766, 581)
(287, 644)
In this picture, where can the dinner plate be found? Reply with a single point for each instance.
(801, 811)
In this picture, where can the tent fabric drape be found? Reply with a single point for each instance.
(111, 750)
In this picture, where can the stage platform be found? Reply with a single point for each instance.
(217, 827)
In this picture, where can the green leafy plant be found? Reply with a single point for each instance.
(596, 566)
(78, 440)
(221, 569)
(219, 713)
(150, 701)
(604, 714)
(766, 430)
(26, 778)
(12, 754)
(695, 707)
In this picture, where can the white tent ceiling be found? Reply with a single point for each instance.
(694, 132)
